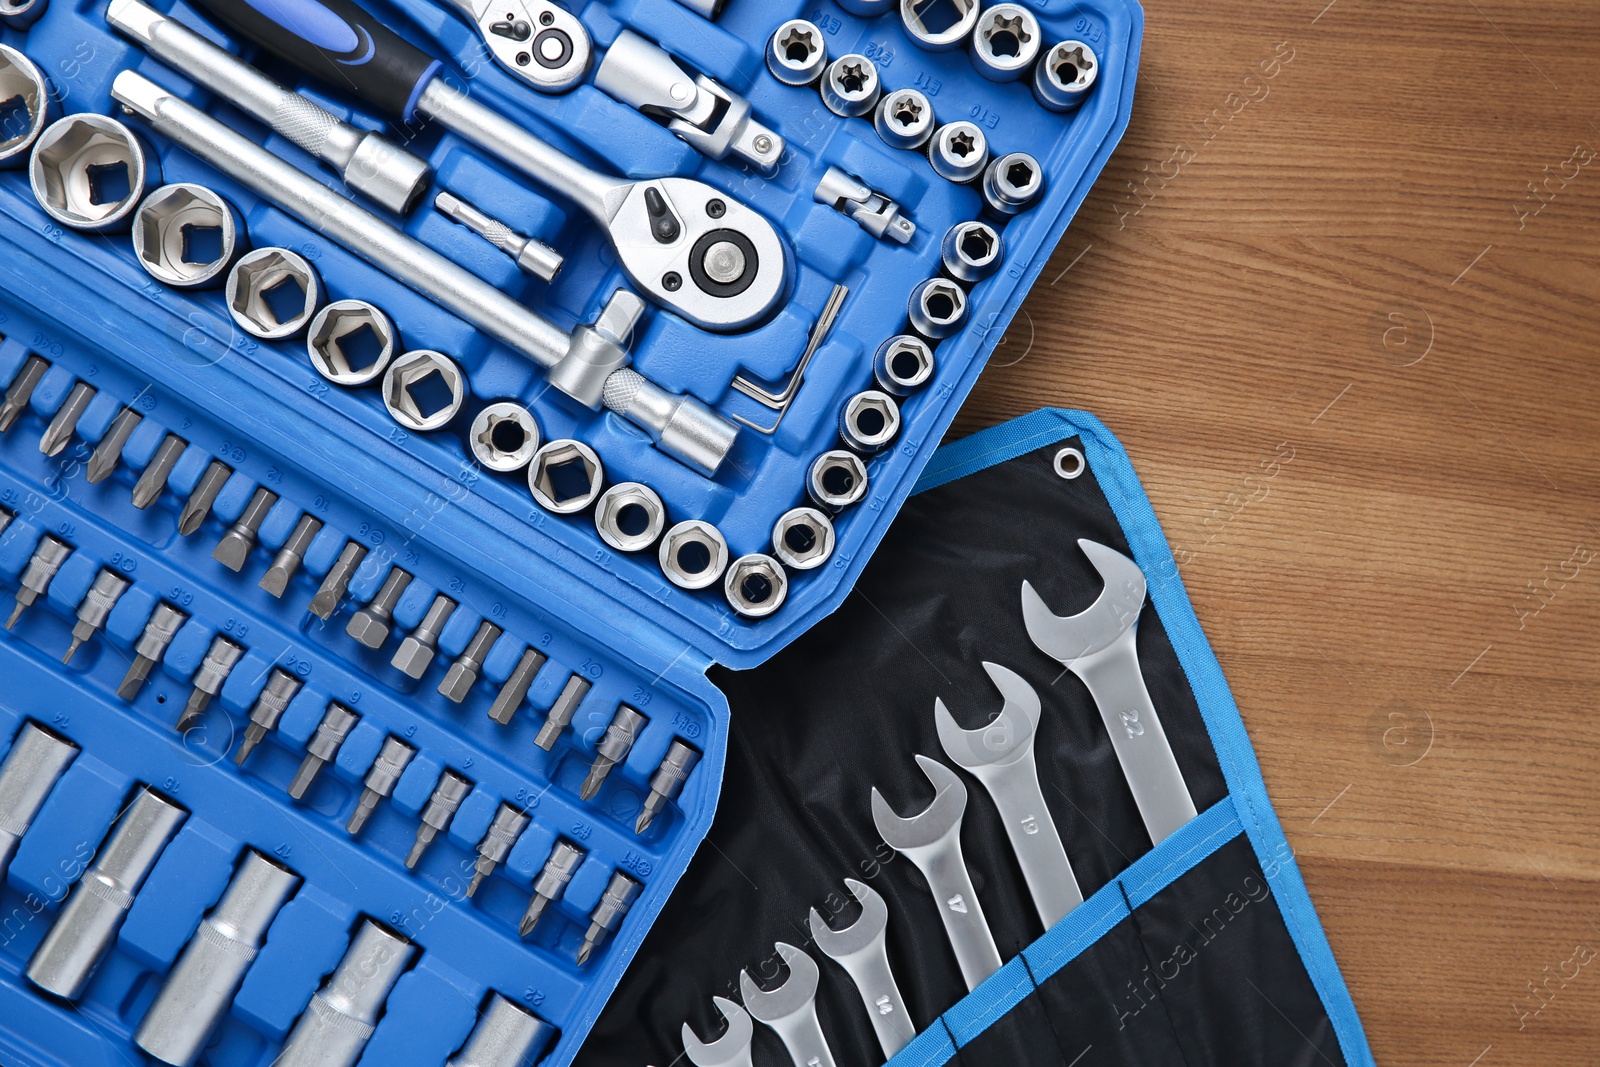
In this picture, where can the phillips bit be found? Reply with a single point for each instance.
(608, 914)
(441, 808)
(337, 582)
(151, 646)
(289, 557)
(667, 782)
(371, 625)
(613, 748)
(515, 690)
(147, 490)
(335, 726)
(509, 822)
(95, 606)
(21, 391)
(48, 556)
(220, 660)
(417, 650)
(463, 673)
(108, 453)
(561, 712)
(198, 507)
(60, 430)
(380, 781)
(269, 707)
(235, 546)
(551, 883)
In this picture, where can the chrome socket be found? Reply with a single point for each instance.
(565, 477)
(185, 235)
(667, 782)
(930, 27)
(959, 152)
(693, 554)
(905, 119)
(89, 173)
(37, 760)
(334, 1028)
(20, 14)
(351, 342)
(837, 479)
(423, 390)
(803, 538)
(630, 516)
(971, 251)
(797, 53)
(1005, 42)
(903, 364)
(1012, 184)
(21, 80)
(869, 421)
(448, 795)
(756, 585)
(937, 308)
(850, 86)
(380, 781)
(273, 293)
(506, 1036)
(1065, 74)
(337, 722)
(504, 437)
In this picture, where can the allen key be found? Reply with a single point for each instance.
(780, 402)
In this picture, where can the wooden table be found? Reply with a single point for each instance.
(1336, 293)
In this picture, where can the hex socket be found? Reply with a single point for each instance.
(506, 1036)
(89, 172)
(171, 235)
(21, 80)
(335, 1026)
(35, 763)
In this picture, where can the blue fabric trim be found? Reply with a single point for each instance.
(931, 1048)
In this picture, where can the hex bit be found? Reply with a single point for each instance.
(463, 673)
(221, 658)
(613, 748)
(440, 809)
(559, 717)
(515, 690)
(290, 556)
(392, 761)
(337, 581)
(335, 1026)
(559, 868)
(371, 625)
(509, 822)
(198, 507)
(159, 631)
(667, 782)
(95, 607)
(268, 709)
(147, 490)
(65, 423)
(418, 648)
(43, 565)
(20, 391)
(336, 724)
(235, 546)
(108, 453)
(37, 760)
(619, 896)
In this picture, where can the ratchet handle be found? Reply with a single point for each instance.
(338, 42)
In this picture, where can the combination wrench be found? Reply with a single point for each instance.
(732, 1049)
(1000, 755)
(686, 245)
(1098, 645)
(860, 949)
(932, 841)
(791, 1009)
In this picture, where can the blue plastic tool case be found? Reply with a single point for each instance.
(417, 501)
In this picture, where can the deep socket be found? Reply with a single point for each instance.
(335, 1026)
(506, 1036)
(35, 763)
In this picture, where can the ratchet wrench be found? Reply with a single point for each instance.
(534, 39)
(688, 246)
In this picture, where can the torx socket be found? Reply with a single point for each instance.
(440, 809)
(335, 1026)
(850, 86)
(613, 748)
(337, 581)
(43, 565)
(86, 928)
(619, 896)
(506, 1036)
(35, 763)
(463, 673)
(20, 391)
(392, 761)
(235, 546)
(65, 422)
(158, 633)
(290, 556)
(371, 625)
(95, 607)
(147, 490)
(515, 691)
(559, 867)
(959, 151)
(667, 782)
(509, 822)
(797, 53)
(417, 650)
(199, 990)
(336, 724)
(198, 507)
(561, 712)
(108, 453)
(268, 709)
(221, 658)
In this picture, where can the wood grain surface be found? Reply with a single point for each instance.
(1336, 293)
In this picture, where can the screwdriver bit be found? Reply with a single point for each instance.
(108, 453)
(21, 391)
(221, 658)
(269, 707)
(559, 717)
(151, 646)
(508, 824)
(667, 782)
(289, 557)
(371, 624)
(612, 749)
(515, 690)
(95, 606)
(60, 430)
(147, 490)
(417, 650)
(463, 673)
(48, 556)
(337, 582)
(441, 808)
(198, 507)
(335, 726)
(380, 781)
(235, 546)
(608, 914)
(558, 870)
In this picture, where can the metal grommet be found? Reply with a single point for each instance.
(351, 342)
(756, 585)
(803, 538)
(694, 554)
(504, 436)
(423, 390)
(630, 516)
(1069, 463)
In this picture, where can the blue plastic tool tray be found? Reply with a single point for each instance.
(82, 303)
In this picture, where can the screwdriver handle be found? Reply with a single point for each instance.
(338, 42)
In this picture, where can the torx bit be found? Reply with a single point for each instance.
(515, 690)
(108, 453)
(269, 707)
(235, 546)
(95, 606)
(417, 650)
(561, 712)
(48, 556)
(612, 749)
(551, 883)
(380, 781)
(21, 391)
(508, 824)
(151, 646)
(147, 490)
(60, 430)
(667, 782)
(335, 726)
(441, 808)
(620, 894)
(289, 557)
(333, 587)
(371, 624)
(198, 507)
(463, 673)
(221, 658)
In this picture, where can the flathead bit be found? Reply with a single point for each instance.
(95, 607)
(235, 546)
(289, 557)
(43, 565)
(61, 428)
(559, 717)
(619, 896)
(380, 781)
(612, 749)
(515, 691)
(198, 506)
(108, 453)
(151, 646)
(21, 391)
(336, 724)
(220, 660)
(337, 582)
(559, 868)
(147, 490)
(667, 782)
(441, 808)
(268, 709)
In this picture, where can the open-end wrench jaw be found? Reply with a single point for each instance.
(732, 1049)
(863, 934)
(1072, 637)
(861, 950)
(931, 825)
(1007, 740)
(794, 995)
